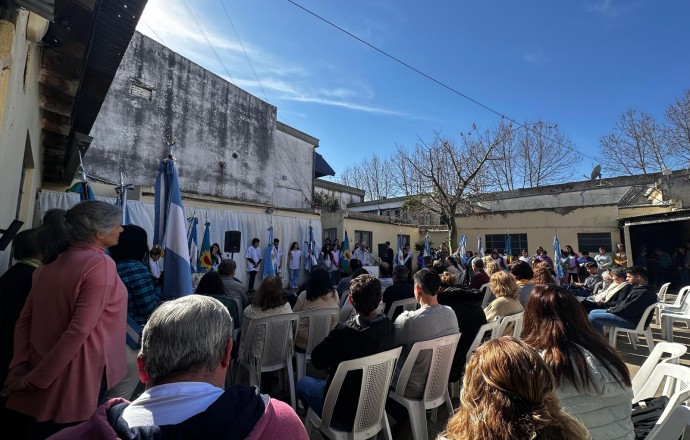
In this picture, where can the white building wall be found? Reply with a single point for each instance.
(294, 162)
(20, 123)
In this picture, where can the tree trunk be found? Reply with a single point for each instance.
(453, 233)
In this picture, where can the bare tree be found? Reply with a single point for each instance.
(447, 172)
(677, 118)
(534, 154)
(636, 145)
(374, 175)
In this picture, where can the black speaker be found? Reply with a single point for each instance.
(232, 241)
(383, 250)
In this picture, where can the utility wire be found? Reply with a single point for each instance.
(154, 32)
(208, 41)
(280, 140)
(429, 77)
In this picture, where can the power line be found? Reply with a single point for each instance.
(154, 32)
(431, 78)
(208, 41)
(280, 140)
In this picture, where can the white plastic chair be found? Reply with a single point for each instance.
(517, 319)
(487, 294)
(370, 418)
(674, 352)
(277, 350)
(662, 292)
(240, 314)
(667, 314)
(319, 327)
(436, 388)
(640, 329)
(673, 426)
(490, 328)
(676, 381)
(408, 305)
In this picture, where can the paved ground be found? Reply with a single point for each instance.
(633, 358)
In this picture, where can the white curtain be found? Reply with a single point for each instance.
(287, 229)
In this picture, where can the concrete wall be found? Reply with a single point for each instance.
(294, 175)
(344, 194)
(20, 125)
(541, 225)
(212, 120)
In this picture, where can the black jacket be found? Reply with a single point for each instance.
(399, 290)
(634, 304)
(467, 305)
(346, 342)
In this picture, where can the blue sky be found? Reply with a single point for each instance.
(575, 63)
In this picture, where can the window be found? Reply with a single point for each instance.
(592, 241)
(406, 239)
(332, 234)
(363, 236)
(518, 242)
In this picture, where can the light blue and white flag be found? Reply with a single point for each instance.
(121, 199)
(399, 257)
(463, 245)
(509, 246)
(311, 256)
(269, 258)
(427, 248)
(192, 242)
(480, 247)
(557, 256)
(170, 232)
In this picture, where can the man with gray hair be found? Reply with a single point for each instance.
(184, 358)
(233, 287)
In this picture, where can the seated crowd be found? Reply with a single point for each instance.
(76, 371)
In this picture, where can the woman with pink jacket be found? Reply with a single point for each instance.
(68, 344)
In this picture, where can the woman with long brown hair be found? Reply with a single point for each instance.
(509, 393)
(592, 379)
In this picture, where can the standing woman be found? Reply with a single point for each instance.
(68, 339)
(592, 381)
(294, 258)
(216, 257)
(620, 258)
(335, 258)
(572, 267)
(130, 255)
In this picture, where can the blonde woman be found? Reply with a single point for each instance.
(510, 393)
(507, 302)
(492, 267)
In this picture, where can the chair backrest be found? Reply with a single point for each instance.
(676, 388)
(377, 372)
(674, 351)
(319, 325)
(662, 292)
(673, 426)
(517, 328)
(343, 297)
(489, 327)
(642, 325)
(408, 304)
(279, 329)
(443, 350)
(487, 294)
(682, 299)
(240, 310)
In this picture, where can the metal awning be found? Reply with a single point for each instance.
(321, 167)
(664, 217)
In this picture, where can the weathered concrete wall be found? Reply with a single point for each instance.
(294, 176)
(212, 120)
(20, 126)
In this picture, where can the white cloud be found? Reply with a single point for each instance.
(604, 7)
(533, 56)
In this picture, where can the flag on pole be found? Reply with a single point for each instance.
(399, 257)
(427, 249)
(463, 245)
(509, 247)
(169, 231)
(84, 190)
(121, 199)
(192, 243)
(345, 254)
(205, 262)
(480, 247)
(311, 251)
(557, 256)
(269, 256)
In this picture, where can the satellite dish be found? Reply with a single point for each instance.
(596, 173)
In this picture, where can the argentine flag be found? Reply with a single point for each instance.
(170, 232)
